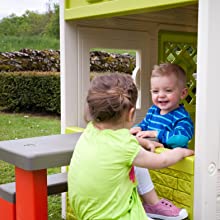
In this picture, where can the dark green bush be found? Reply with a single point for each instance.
(30, 92)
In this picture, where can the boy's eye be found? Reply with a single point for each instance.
(154, 91)
(169, 90)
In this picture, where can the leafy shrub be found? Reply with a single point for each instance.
(30, 91)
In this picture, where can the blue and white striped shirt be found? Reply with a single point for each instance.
(175, 129)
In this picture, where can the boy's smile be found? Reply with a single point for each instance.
(163, 102)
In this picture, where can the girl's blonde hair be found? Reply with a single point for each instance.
(109, 96)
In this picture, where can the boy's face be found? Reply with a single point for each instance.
(166, 92)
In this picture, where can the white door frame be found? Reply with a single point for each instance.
(207, 139)
(76, 74)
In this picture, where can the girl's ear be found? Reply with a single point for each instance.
(184, 93)
(131, 115)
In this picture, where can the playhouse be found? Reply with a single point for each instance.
(181, 31)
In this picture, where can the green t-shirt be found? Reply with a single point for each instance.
(98, 180)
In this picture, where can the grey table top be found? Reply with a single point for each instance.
(39, 152)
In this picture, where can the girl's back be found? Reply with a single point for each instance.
(99, 184)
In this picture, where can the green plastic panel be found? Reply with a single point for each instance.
(80, 9)
(73, 129)
(181, 48)
(176, 183)
(186, 165)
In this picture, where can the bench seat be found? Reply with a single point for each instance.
(56, 183)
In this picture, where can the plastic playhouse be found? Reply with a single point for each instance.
(185, 32)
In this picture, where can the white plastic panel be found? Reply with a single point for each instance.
(207, 142)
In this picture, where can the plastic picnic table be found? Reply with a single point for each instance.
(32, 157)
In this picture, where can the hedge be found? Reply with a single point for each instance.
(30, 92)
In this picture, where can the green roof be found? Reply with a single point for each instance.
(81, 9)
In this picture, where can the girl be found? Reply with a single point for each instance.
(101, 179)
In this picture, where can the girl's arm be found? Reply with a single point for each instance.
(147, 159)
(148, 144)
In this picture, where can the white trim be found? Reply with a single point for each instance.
(62, 92)
(207, 139)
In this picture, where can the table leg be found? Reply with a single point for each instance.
(31, 194)
(7, 210)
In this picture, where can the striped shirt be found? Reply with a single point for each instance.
(175, 129)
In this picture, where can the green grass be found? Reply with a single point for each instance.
(16, 126)
(13, 43)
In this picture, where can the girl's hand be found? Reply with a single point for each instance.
(187, 152)
(152, 134)
(135, 130)
(148, 144)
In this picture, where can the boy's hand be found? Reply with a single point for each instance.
(148, 144)
(152, 134)
(135, 130)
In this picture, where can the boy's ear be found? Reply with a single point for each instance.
(131, 115)
(184, 93)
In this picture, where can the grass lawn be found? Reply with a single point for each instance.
(15, 43)
(16, 126)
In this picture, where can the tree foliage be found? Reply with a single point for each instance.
(53, 27)
(32, 24)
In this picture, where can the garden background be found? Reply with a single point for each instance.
(30, 81)
(38, 32)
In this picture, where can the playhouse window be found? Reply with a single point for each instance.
(108, 60)
(112, 60)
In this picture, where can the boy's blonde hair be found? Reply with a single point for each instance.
(167, 69)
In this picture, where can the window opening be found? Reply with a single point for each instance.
(113, 60)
